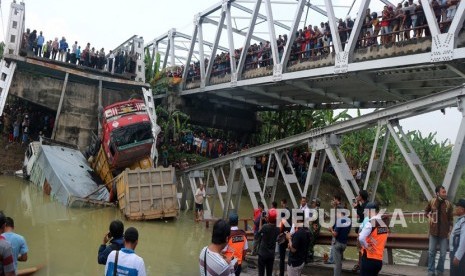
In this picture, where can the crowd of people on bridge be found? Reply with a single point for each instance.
(403, 22)
(122, 61)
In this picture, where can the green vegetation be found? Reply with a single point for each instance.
(2, 48)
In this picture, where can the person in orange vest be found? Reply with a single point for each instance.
(373, 239)
(237, 243)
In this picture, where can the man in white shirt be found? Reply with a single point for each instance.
(125, 261)
(211, 259)
(199, 197)
(372, 238)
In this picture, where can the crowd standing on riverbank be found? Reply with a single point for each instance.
(21, 124)
(221, 257)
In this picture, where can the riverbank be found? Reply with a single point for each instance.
(12, 156)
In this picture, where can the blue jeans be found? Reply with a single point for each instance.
(433, 242)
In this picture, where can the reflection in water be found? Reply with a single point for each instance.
(66, 240)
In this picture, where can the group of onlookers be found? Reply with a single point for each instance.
(117, 251)
(22, 125)
(35, 44)
(395, 23)
(296, 236)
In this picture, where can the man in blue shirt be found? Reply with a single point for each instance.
(115, 239)
(340, 232)
(18, 243)
(40, 44)
(126, 261)
(457, 241)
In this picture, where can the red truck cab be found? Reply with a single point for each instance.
(127, 133)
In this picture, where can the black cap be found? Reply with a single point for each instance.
(460, 203)
(131, 234)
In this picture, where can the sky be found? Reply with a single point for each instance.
(108, 23)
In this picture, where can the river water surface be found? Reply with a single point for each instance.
(65, 241)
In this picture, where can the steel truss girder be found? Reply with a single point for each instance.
(272, 32)
(220, 189)
(376, 165)
(332, 25)
(330, 144)
(262, 92)
(289, 179)
(315, 174)
(320, 141)
(253, 21)
(412, 159)
(234, 30)
(457, 160)
(400, 111)
(292, 34)
(263, 17)
(215, 47)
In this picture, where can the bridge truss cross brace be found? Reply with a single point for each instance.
(324, 144)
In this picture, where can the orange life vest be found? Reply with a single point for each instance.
(236, 241)
(376, 242)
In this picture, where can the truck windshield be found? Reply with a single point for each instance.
(130, 135)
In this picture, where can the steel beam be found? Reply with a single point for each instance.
(201, 56)
(457, 22)
(292, 34)
(235, 30)
(400, 111)
(333, 26)
(340, 174)
(232, 50)
(379, 167)
(189, 55)
(410, 162)
(429, 14)
(304, 86)
(271, 31)
(60, 106)
(262, 92)
(244, 99)
(373, 155)
(245, 48)
(316, 8)
(215, 47)
(318, 173)
(355, 34)
(206, 43)
(263, 17)
(457, 160)
(286, 181)
(172, 47)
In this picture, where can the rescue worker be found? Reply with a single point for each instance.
(237, 244)
(373, 239)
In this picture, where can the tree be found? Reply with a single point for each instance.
(173, 123)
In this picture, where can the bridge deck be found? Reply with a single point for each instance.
(380, 76)
(79, 74)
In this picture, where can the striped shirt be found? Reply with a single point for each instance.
(216, 265)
